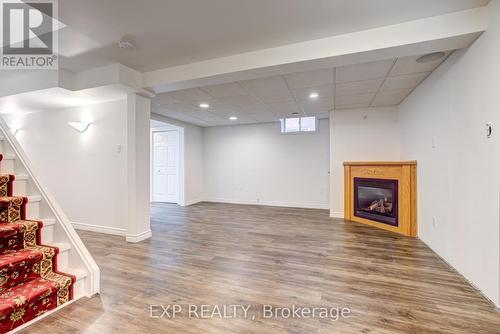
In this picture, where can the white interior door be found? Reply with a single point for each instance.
(166, 166)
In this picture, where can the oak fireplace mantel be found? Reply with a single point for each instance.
(382, 194)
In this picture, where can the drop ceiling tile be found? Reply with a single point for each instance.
(257, 109)
(320, 105)
(224, 90)
(404, 81)
(247, 119)
(390, 97)
(264, 118)
(226, 113)
(271, 84)
(208, 116)
(325, 92)
(184, 117)
(284, 106)
(193, 95)
(408, 65)
(310, 79)
(233, 101)
(353, 99)
(352, 106)
(164, 99)
(179, 107)
(275, 96)
(361, 72)
(358, 87)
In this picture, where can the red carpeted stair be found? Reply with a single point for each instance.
(30, 284)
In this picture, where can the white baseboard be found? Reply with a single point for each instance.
(191, 202)
(269, 203)
(134, 238)
(337, 215)
(100, 229)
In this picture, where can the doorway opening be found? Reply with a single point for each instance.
(167, 163)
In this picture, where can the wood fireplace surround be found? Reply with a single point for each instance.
(382, 194)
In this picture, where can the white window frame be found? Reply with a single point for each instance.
(283, 125)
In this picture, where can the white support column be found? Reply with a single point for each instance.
(138, 160)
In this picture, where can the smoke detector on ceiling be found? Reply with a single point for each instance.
(126, 43)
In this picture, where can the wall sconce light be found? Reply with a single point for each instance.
(14, 131)
(79, 126)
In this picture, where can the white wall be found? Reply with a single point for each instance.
(85, 172)
(458, 179)
(360, 135)
(193, 159)
(257, 164)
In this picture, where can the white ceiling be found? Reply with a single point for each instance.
(375, 84)
(174, 32)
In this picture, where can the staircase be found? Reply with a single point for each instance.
(44, 266)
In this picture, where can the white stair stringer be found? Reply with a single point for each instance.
(73, 257)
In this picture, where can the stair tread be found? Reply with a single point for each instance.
(19, 266)
(62, 246)
(27, 301)
(78, 273)
(12, 259)
(8, 297)
(34, 198)
(48, 221)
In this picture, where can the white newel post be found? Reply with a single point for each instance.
(138, 125)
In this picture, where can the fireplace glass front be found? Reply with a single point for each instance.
(376, 199)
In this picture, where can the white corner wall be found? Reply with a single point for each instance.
(443, 127)
(368, 134)
(256, 164)
(86, 173)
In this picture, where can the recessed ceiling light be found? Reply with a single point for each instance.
(204, 105)
(430, 57)
(313, 95)
(233, 118)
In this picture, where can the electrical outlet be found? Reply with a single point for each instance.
(434, 142)
(434, 221)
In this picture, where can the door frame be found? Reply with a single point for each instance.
(180, 165)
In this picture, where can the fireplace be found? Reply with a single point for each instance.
(376, 199)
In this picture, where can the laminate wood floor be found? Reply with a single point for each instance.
(232, 254)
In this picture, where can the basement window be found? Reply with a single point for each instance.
(298, 124)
